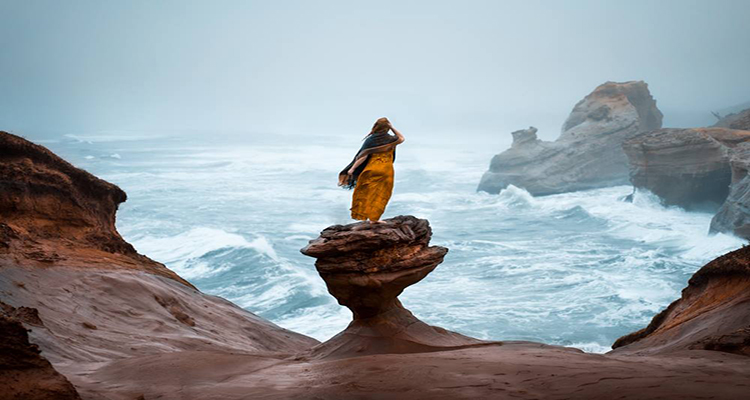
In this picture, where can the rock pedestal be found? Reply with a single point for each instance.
(365, 268)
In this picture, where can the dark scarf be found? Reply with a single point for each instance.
(372, 140)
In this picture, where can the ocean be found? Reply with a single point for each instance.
(230, 215)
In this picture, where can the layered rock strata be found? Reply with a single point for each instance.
(740, 120)
(685, 167)
(712, 314)
(365, 268)
(88, 297)
(734, 214)
(588, 154)
(120, 326)
(24, 372)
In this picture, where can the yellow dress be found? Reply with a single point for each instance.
(374, 187)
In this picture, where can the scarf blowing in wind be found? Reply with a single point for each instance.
(372, 141)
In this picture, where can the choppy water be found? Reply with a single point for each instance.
(577, 269)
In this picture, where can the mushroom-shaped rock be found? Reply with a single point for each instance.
(366, 267)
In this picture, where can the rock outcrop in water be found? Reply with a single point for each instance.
(734, 215)
(699, 168)
(365, 268)
(685, 167)
(588, 154)
(712, 314)
(120, 326)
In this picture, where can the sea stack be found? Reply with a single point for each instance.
(588, 154)
(365, 268)
(696, 168)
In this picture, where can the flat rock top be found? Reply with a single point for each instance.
(670, 136)
(362, 237)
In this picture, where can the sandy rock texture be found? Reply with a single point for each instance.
(366, 266)
(120, 326)
(685, 167)
(588, 154)
(86, 295)
(24, 373)
(712, 314)
(697, 169)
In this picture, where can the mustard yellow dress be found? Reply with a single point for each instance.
(374, 187)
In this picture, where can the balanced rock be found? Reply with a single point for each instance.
(588, 154)
(365, 268)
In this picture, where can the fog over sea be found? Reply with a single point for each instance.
(577, 269)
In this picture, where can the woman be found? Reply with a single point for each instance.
(371, 172)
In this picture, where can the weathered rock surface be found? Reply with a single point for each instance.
(365, 268)
(712, 314)
(588, 154)
(88, 296)
(24, 373)
(122, 327)
(52, 213)
(740, 120)
(734, 214)
(689, 168)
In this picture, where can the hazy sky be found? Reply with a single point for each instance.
(447, 67)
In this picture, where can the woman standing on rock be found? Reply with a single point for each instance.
(371, 172)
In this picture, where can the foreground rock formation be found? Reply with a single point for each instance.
(712, 314)
(94, 299)
(24, 373)
(120, 326)
(588, 154)
(699, 168)
(365, 269)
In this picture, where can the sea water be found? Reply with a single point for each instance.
(230, 215)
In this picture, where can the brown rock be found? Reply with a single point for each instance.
(365, 268)
(90, 298)
(588, 154)
(712, 314)
(24, 372)
(52, 213)
(685, 167)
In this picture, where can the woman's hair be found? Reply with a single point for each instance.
(381, 126)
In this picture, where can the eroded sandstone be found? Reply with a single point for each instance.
(365, 268)
(588, 154)
(689, 168)
(712, 314)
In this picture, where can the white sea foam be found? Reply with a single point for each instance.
(177, 251)
(576, 269)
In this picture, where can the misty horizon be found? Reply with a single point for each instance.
(332, 68)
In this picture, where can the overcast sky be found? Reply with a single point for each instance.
(447, 67)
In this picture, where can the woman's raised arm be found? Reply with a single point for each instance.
(399, 135)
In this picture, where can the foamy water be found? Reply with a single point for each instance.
(577, 269)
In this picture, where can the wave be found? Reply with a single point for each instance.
(179, 251)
